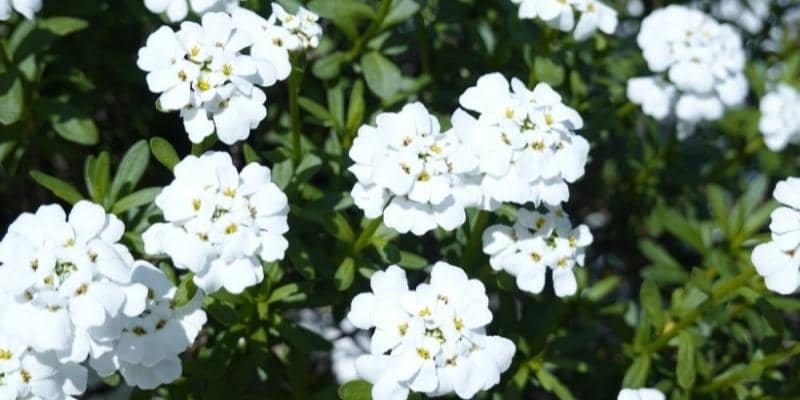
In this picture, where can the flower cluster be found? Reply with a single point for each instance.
(778, 260)
(560, 14)
(177, 10)
(535, 243)
(641, 394)
(349, 343)
(220, 223)
(67, 291)
(699, 63)
(430, 340)
(202, 71)
(28, 375)
(28, 8)
(780, 117)
(749, 15)
(146, 354)
(524, 141)
(407, 162)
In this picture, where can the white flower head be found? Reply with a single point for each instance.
(203, 71)
(560, 14)
(536, 243)
(780, 117)
(699, 65)
(25, 374)
(177, 10)
(220, 223)
(430, 340)
(407, 170)
(69, 280)
(147, 352)
(641, 394)
(523, 140)
(778, 260)
(750, 15)
(28, 8)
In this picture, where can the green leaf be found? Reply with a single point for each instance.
(685, 368)
(343, 278)
(12, 99)
(356, 390)
(73, 125)
(222, 312)
(317, 110)
(59, 188)
(355, 107)
(328, 67)
(552, 384)
(382, 76)
(97, 174)
(282, 173)
(548, 71)
(401, 10)
(136, 199)
(283, 292)
(636, 375)
(301, 338)
(164, 152)
(651, 304)
(718, 202)
(62, 26)
(186, 290)
(341, 9)
(250, 155)
(130, 170)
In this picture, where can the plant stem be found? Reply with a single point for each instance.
(718, 294)
(372, 30)
(726, 380)
(474, 238)
(364, 238)
(295, 79)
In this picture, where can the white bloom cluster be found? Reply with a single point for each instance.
(560, 14)
(700, 63)
(430, 340)
(524, 141)
(407, 162)
(780, 117)
(349, 343)
(220, 221)
(750, 15)
(535, 243)
(641, 394)
(177, 10)
(202, 71)
(28, 375)
(146, 354)
(28, 8)
(67, 290)
(778, 260)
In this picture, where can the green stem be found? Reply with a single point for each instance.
(474, 238)
(424, 43)
(718, 294)
(365, 237)
(197, 149)
(372, 30)
(295, 80)
(727, 380)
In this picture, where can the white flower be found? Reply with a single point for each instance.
(304, 25)
(560, 14)
(220, 223)
(780, 117)
(28, 8)
(778, 260)
(147, 352)
(641, 394)
(430, 340)
(701, 63)
(523, 140)
(407, 162)
(203, 72)
(28, 375)
(538, 242)
(750, 15)
(177, 10)
(348, 342)
(70, 280)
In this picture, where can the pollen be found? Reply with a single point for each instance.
(151, 295)
(536, 257)
(35, 265)
(69, 243)
(183, 76)
(505, 139)
(509, 113)
(48, 280)
(548, 119)
(562, 262)
(277, 41)
(195, 51)
(538, 146)
(451, 362)
(436, 149)
(231, 229)
(540, 223)
(5, 354)
(425, 312)
(81, 290)
(26, 376)
(196, 203)
(227, 69)
(423, 177)
(405, 167)
(138, 331)
(161, 324)
(458, 323)
(573, 241)
(423, 353)
(444, 299)
(402, 328)
(92, 256)
(407, 140)
(203, 85)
